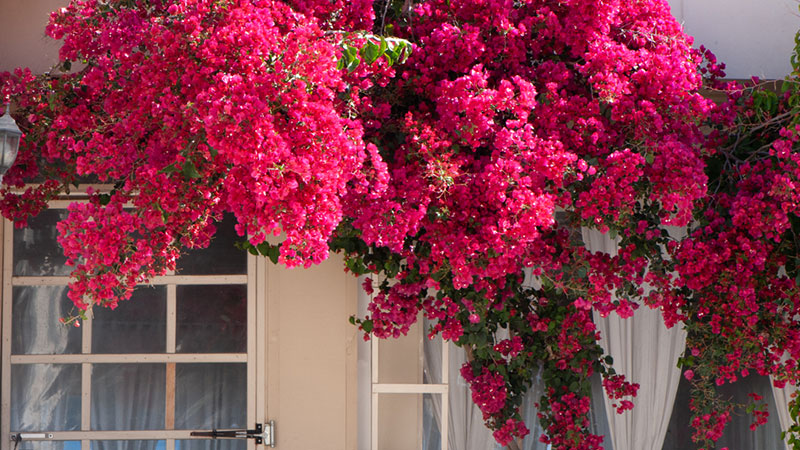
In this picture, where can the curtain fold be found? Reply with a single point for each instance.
(782, 398)
(529, 410)
(646, 352)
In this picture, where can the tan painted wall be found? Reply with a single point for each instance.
(22, 39)
(311, 362)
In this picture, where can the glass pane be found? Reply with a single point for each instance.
(48, 445)
(36, 250)
(128, 445)
(209, 396)
(211, 319)
(128, 396)
(205, 444)
(737, 434)
(432, 352)
(45, 397)
(431, 413)
(221, 256)
(138, 325)
(35, 312)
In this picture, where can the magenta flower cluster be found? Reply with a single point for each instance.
(446, 176)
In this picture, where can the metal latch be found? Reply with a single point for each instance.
(262, 434)
(19, 437)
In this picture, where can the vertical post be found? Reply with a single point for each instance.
(5, 389)
(445, 428)
(374, 406)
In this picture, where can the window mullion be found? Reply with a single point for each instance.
(5, 344)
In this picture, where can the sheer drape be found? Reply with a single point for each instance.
(782, 398)
(529, 411)
(466, 428)
(646, 352)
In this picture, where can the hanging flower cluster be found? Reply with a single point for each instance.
(455, 176)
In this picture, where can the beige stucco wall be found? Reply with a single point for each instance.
(22, 39)
(311, 360)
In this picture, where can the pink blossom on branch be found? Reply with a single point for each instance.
(441, 174)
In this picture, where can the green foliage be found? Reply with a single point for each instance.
(395, 50)
(271, 251)
(792, 435)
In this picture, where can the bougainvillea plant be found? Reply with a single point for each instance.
(435, 143)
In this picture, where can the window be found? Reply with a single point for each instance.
(180, 356)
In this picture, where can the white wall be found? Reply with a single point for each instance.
(752, 37)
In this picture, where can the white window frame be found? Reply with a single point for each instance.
(369, 378)
(255, 356)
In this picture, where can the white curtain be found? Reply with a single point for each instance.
(466, 430)
(529, 411)
(646, 352)
(782, 398)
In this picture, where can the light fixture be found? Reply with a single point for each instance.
(9, 142)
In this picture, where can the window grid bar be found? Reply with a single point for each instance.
(408, 388)
(5, 388)
(131, 358)
(251, 346)
(262, 318)
(445, 421)
(172, 317)
(86, 397)
(169, 407)
(160, 280)
(86, 375)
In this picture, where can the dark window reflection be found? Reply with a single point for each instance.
(138, 325)
(211, 319)
(36, 248)
(221, 256)
(209, 396)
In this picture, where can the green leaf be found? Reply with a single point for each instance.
(263, 248)
(370, 52)
(383, 46)
(104, 199)
(274, 253)
(367, 326)
(190, 170)
(169, 169)
(352, 61)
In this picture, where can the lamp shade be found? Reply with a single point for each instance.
(9, 141)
